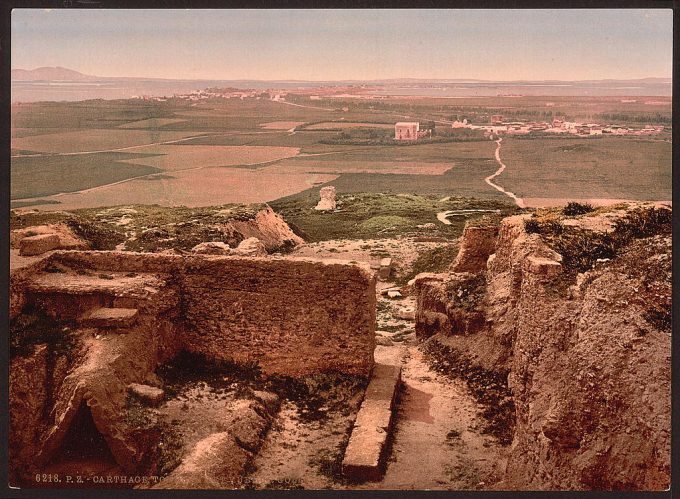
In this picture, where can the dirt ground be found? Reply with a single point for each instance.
(438, 443)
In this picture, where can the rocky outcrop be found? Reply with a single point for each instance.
(587, 356)
(477, 244)
(267, 226)
(251, 247)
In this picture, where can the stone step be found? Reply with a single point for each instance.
(111, 283)
(366, 451)
(105, 317)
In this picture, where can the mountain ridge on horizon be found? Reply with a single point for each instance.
(58, 73)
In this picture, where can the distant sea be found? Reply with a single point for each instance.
(125, 88)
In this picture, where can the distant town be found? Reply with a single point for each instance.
(498, 125)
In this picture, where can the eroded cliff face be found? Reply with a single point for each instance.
(587, 355)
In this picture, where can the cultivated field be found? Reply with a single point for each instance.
(341, 125)
(187, 153)
(172, 157)
(606, 168)
(95, 140)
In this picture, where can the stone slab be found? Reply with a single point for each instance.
(111, 317)
(146, 393)
(39, 244)
(366, 451)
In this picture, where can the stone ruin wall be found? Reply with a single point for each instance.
(290, 316)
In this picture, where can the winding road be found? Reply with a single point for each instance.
(489, 180)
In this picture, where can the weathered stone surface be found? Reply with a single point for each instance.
(291, 315)
(407, 314)
(251, 247)
(476, 245)
(268, 226)
(212, 248)
(385, 268)
(393, 294)
(146, 393)
(543, 266)
(110, 317)
(67, 238)
(37, 245)
(365, 453)
(220, 460)
(327, 201)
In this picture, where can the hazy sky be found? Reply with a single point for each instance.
(347, 44)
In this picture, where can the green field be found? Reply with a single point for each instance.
(546, 167)
(614, 168)
(40, 176)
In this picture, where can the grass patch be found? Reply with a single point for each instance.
(468, 293)
(573, 209)
(33, 177)
(369, 215)
(581, 249)
(34, 328)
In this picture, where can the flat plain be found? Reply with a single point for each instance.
(178, 152)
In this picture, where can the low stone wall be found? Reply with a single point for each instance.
(291, 316)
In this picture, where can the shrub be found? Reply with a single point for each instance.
(644, 222)
(573, 209)
(543, 227)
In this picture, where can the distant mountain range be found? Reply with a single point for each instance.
(50, 74)
(59, 73)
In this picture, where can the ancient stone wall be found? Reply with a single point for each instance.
(291, 316)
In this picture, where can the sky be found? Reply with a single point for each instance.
(348, 44)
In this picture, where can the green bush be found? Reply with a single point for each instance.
(573, 209)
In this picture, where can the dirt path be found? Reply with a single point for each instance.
(489, 180)
(437, 443)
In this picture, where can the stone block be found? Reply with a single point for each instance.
(212, 248)
(385, 268)
(149, 394)
(365, 454)
(111, 317)
(543, 266)
(251, 247)
(37, 245)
